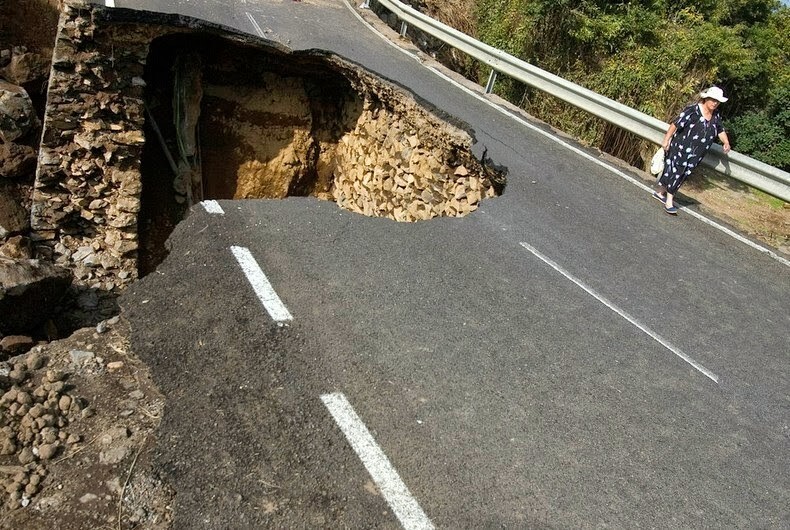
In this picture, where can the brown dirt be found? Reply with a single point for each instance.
(101, 474)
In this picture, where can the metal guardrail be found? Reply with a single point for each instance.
(758, 174)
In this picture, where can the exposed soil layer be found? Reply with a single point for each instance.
(248, 122)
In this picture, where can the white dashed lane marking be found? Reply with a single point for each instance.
(255, 25)
(213, 207)
(405, 507)
(260, 284)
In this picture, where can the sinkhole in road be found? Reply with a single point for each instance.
(227, 120)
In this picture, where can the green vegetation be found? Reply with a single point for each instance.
(655, 56)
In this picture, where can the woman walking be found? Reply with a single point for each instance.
(687, 140)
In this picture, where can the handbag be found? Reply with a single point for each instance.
(657, 162)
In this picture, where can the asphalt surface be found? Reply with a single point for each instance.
(502, 392)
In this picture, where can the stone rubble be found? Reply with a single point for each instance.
(23, 67)
(17, 114)
(385, 169)
(11, 345)
(36, 417)
(13, 217)
(16, 247)
(70, 431)
(16, 160)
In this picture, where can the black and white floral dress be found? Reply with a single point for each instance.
(688, 146)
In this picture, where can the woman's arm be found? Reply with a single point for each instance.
(725, 140)
(668, 136)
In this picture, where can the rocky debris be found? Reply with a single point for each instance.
(25, 67)
(16, 247)
(72, 434)
(14, 345)
(16, 160)
(26, 73)
(385, 169)
(18, 122)
(17, 114)
(13, 217)
(29, 291)
(36, 415)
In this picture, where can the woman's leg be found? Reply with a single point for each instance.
(669, 170)
(660, 193)
(672, 189)
(673, 186)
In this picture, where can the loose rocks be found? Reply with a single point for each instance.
(17, 114)
(14, 345)
(26, 67)
(13, 217)
(16, 247)
(66, 452)
(34, 425)
(16, 160)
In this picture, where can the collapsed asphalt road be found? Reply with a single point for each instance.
(507, 387)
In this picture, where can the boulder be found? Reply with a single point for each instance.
(26, 67)
(13, 216)
(29, 291)
(16, 247)
(13, 345)
(17, 114)
(16, 160)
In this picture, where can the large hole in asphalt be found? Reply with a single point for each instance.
(230, 121)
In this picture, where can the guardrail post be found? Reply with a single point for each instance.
(491, 81)
(403, 28)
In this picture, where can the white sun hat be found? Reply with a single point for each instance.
(713, 92)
